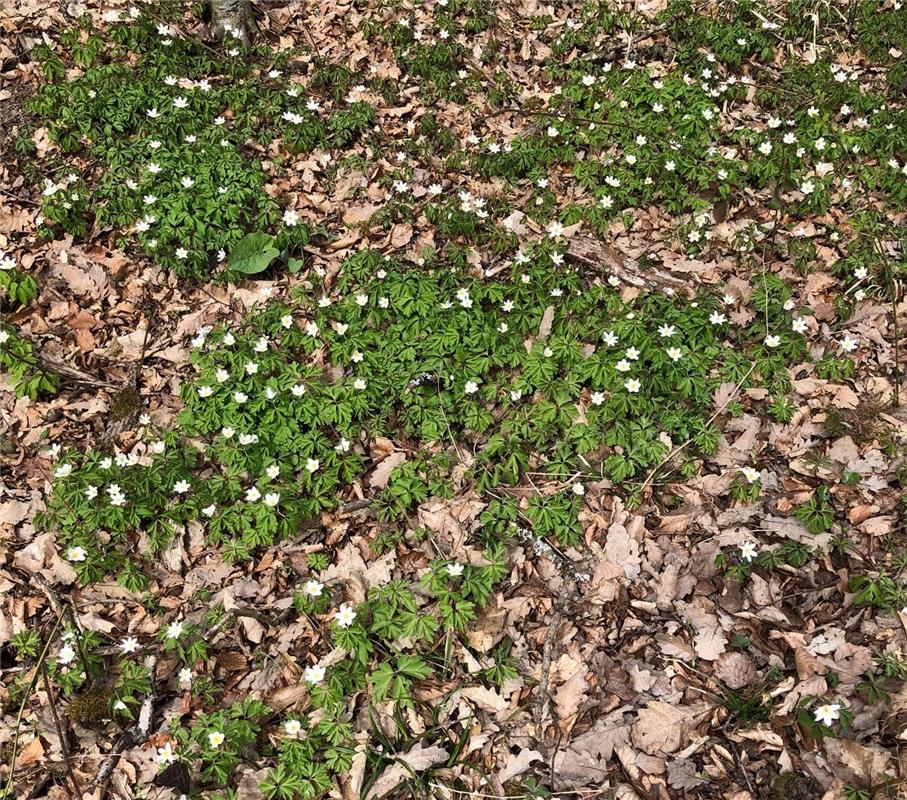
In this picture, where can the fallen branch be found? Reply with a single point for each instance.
(607, 258)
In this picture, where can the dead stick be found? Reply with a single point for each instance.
(64, 747)
(542, 688)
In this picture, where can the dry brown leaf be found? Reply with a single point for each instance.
(419, 759)
(736, 670)
(662, 728)
(12, 512)
(381, 474)
(570, 694)
(518, 763)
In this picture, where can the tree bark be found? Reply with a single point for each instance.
(232, 19)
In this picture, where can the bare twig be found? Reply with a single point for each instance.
(64, 746)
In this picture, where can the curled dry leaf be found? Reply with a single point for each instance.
(735, 670)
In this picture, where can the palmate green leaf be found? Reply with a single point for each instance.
(253, 253)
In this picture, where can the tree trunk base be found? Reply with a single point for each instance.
(232, 19)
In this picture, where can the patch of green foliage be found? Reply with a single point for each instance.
(179, 160)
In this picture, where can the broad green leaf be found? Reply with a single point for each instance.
(253, 253)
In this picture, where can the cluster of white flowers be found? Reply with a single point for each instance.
(471, 204)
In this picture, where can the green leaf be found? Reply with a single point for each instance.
(253, 253)
(381, 681)
(295, 264)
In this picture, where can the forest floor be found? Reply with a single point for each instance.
(453, 399)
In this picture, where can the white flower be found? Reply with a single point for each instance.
(91, 492)
(471, 387)
(555, 229)
(248, 438)
(287, 321)
(827, 714)
(181, 253)
(185, 676)
(597, 398)
(205, 391)
(153, 113)
(290, 218)
(849, 344)
(227, 432)
(807, 187)
(772, 341)
(751, 475)
(312, 588)
(765, 148)
(187, 182)
(622, 366)
(454, 570)
(666, 331)
(609, 338)
(129, 645)
(292, 727)
(359, 384)
(229, 339)
(633, 386)
(253, 495)
(748, 551)
(76, 554)
(165, 754)
(272, 499)
(717, 318)
(345, 616)
(632, 354)
(63, 471)
(181, 487)
(251, 368)
(799, 325)
(314, 674)
(860, 273)
(578, 489)
(66, 655)
(174, 630)
(343, 445)
(240, 397)
(674, 353)
(208, 511)
(312, 465)
(180, 102)
(273, 471)
(221, 375)
(215, 739)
